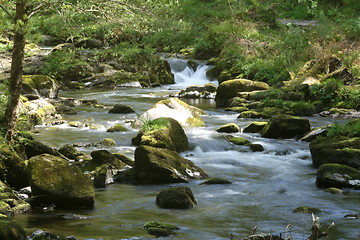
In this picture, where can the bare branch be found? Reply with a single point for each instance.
(7, 12)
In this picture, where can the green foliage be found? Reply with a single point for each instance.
(150, 125)
(351, 129)
(63, 64)
(327, 91)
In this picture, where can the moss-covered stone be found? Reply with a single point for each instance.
(252, 114)
(106, 142)
(237, 140)
(337, 149)
(9, 230)
(229, 89)
(337, 175)
(122, 108)
(117, 128)
(334, 190)
(176, 198)
(169, 135)
(69, 151)
(158, 165)
(33, 148)
(122, 157)
(213, 181)
(54, 181)
(13, 168)
(156, 224)
(229, 128)
(285, 126)
(306, 209)
(186, 115)
(254, 127)
(41, 85)
(10, 202)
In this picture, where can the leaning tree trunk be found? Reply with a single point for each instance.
(16, 69)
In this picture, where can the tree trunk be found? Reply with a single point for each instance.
(16, 69)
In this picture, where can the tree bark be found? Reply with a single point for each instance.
(16, 69)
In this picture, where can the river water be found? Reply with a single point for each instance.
(267, 186)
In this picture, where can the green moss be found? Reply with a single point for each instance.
(254, 127)
(10, 230)
(252, 114)
(238, 140)
(160, 225)
(117, 128)
(229, 128)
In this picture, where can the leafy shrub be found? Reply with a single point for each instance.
(351, 129)
(327, 91)
(66, 65)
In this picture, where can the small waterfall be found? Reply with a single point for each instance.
(185, 75)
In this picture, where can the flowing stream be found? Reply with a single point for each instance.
(267, 186)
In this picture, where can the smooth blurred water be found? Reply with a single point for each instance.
(267, 186)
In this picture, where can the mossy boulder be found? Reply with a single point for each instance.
(40, 85)
(237, 140)
(176, 198)
(169, 135)
(252, 114)
(159, 165)
(254, 127)
(35, 112)
(122, 157)
(229, 89)
(229, 128)
(338, 149)
(337, 175)
(69, 151)
(255, 147)
(285, 126)
(13, 168)
(237, 109)
(54, 181)
(122, 108)
(103, 167)
(9, 230)
(33, 148)
(186, 115)
(117, 128)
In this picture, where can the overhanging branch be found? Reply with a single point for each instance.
(7, 12)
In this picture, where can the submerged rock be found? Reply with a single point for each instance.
(229, 89)
(337, 149)
(176, 198)
(186, 115)
(158, 165)
(306, 209)
(337, 175)
(54, 181)
(213, 181)
(285, 126)
(159, 229)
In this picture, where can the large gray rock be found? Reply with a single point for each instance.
(186, 115)
(285, 126)
(229, 89)
(176, 198)
(54, 181)
(159, 165)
